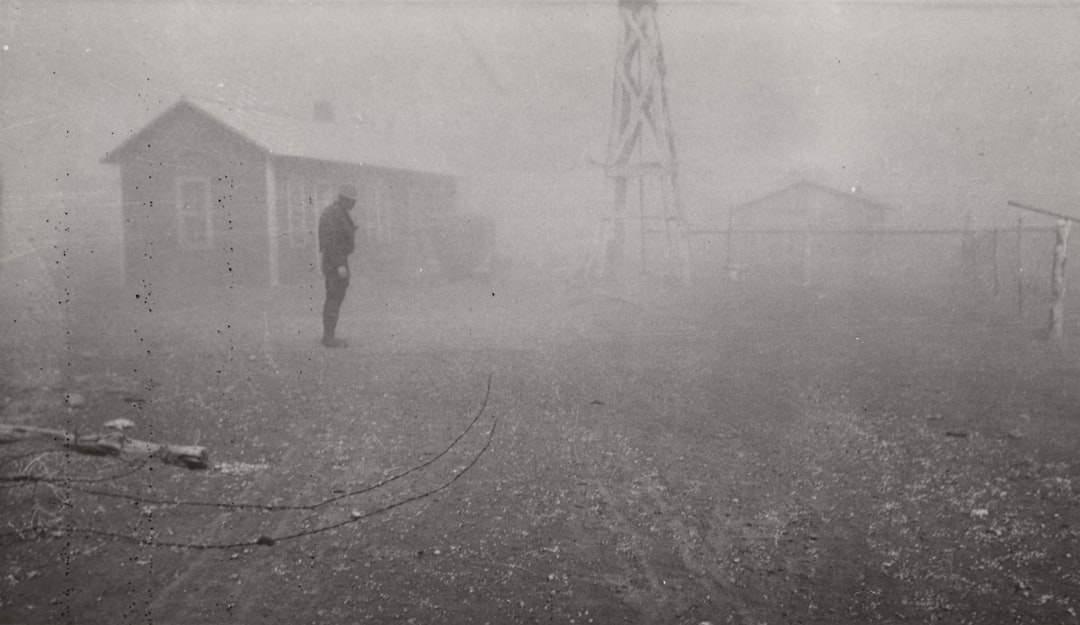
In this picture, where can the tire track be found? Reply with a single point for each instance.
(165, 604)
(666, 563)
(197, 561)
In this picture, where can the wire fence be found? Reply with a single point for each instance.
(1004, 273)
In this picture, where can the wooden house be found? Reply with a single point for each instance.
(218, 194)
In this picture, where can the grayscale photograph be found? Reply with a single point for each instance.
(645, 312)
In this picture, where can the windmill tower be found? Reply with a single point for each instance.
(641, 157)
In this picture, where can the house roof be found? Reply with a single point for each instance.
(292, 137)
(807, 184)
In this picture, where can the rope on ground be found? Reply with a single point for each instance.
(9, 481)
(40, 451)
(22, 534)
(270, 540)
(64, 482)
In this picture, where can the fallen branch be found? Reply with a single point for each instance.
(112, 444)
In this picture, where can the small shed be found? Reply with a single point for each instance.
(805, 233)
(214, 193)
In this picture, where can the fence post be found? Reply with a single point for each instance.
(808, 257)
(1020, 264)
(997, 284)
(1057, 284)
(730, 220)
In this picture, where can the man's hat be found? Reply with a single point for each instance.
(347, 191)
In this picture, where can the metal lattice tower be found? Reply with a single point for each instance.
(641, 157)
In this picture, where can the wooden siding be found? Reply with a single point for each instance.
(189, 154)
(394, 214)
(192, 149)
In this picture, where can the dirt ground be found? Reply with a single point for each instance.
(627, 454)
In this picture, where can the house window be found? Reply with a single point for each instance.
(306, 199)
(194, 223)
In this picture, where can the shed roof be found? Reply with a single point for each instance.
(847, 196)
(293, 137)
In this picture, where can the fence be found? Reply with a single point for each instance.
(1004, 273)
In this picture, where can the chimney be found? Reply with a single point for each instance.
(324, 112)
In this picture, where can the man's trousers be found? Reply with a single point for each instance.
(335, 295)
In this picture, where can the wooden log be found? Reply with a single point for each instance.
(1057, 284)
(112, 444)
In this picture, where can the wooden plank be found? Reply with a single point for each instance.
(1041, 211)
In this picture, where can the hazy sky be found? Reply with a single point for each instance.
(941, 109)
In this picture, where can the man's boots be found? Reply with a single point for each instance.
(329, 326)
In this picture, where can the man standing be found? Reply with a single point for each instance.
(336, 242)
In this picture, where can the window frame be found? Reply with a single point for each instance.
(304, 200)
(186, 218)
